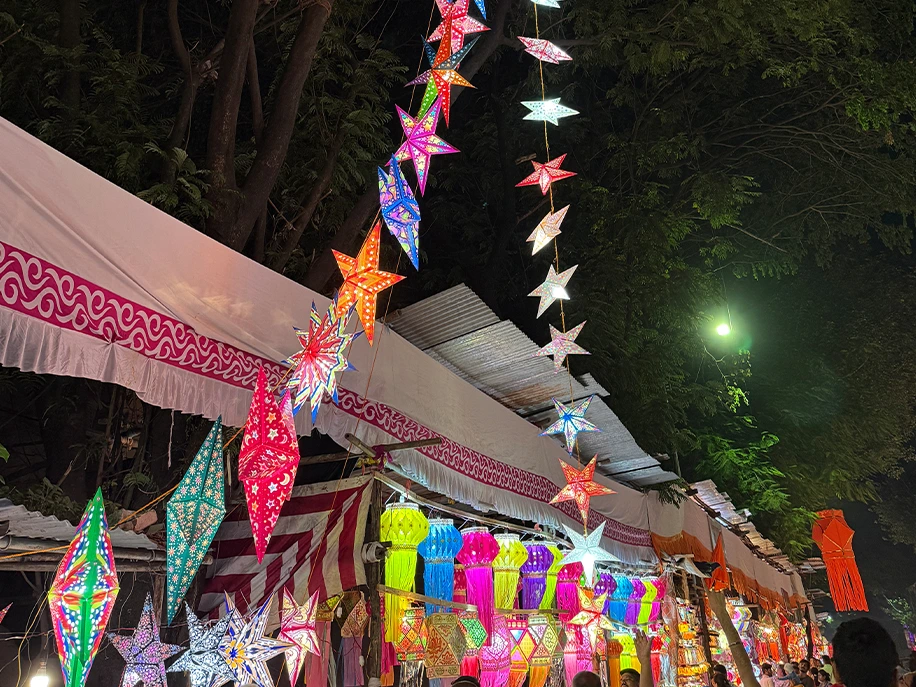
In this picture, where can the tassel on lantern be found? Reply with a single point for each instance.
(534, 574)
(438, 550)
(661, 588)
(550, 590)
(645, 604)
(557, 672)
(617, 606)
(476, 555)
(614, 649)
(405, 527)
(834, 538)
(605, 586)
(543, 631)
(506, 566)
(571, 652)
(635, 601)
(494, 657)
(352, 650)
(568, 590)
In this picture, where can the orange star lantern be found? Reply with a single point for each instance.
(363, 281)
(581, 486)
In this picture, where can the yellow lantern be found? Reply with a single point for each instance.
(405, 527)
(512, 555)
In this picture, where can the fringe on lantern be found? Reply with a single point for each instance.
(538, 676)
(557, 673)
(480, 593)
(352, 649)
(388, 662)
(634, 605)
(439, 583)
(517, 678)
(661, 588)
(617, 607)
(570, 659)
(495, 678)
(533, 588)
(470, 665)
(845, 584)
(412, 674)
(645, 604)
(567, 599)
(317, 667)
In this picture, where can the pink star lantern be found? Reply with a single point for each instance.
(268, 461)
(3, 612)
(460, 24)
(297, 627)
(143, 653)
(422, 142)
(545, 51)
(546, 173)
(581, 486)
(547, 229)
(561, 345)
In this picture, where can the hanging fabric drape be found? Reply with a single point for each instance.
(506, 566)
(405, 527)
(550, 588)
(439, 550)
(834, 538)
(476, 555)
(534, 574)
(718, 581)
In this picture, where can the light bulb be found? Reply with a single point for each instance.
(723, 329)
(40, 679)
(588, 568)
(559, 292)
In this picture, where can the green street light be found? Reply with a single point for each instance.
(723, 329)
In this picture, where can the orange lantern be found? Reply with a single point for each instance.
(834, 537)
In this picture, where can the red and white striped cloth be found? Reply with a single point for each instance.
(315, 547)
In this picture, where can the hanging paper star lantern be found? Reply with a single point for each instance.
(546, 3)
(587, 550)
(546, 173)
(421, 141)
(581, 486)
(323, 356)
(460, 23)
(553, 288)
(548, 110)
(442, 75)
(202, 660)
(3, 612)
(547, 228)
(400, 210)
(245, 648)
(591, 615)
(297, 626)
(545, 51)
(143, 652)
(83, 594)
(268, 461)
(571, 421)
(363, 281)
(192, 516)
(561, 345)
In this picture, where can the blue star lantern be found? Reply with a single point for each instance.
(400, 210)
(571, 422)
(548, 110)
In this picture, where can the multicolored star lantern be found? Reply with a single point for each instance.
(571, 421)
(553, 288)
(202, 660)
(581, 486)
(143, 652)
(422, 142)
(586, 550)
(547, 229)
(591, 616)
(548, 110)
(323, 356)
(545, 51)
(442, 75)
(561, 345)
(245, 648)
(297, 626)
(268, 460)
(192, 516)
(400, 210)
(363, 281)
(455, 20)
(546, 173)
(83, 594)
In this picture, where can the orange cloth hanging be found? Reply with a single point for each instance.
(719, 578)
(834, 537)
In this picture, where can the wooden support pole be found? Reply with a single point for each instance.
(699, 591)
(373, 664)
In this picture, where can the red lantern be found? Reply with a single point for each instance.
(834, 537)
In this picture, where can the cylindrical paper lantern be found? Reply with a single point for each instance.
(445, 645)
(476, 555)
(475, 635)
(543, 631)
(617, 608)
(494, 657)
(520, 651)
(512, 555)
(534, 574)
(568, 590)
(405, 527)
(550, 590)
(634, 602)
(438, 550)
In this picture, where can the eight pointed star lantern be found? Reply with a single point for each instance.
(545, 173)
(553, 288)
(421, 141)
(297, 626)
(245, 648)
(581, 486)
(143, 652)
(547, 229)
(548, 110)
(561, 345)
(202, 660)
(586, 550)
(571, 421)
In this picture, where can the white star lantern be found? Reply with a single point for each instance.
(548, 110)
(547, 229)
(587, 550)
(561, 345)
(553, 288)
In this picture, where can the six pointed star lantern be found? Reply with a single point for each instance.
(561, 345)
(547, 229)
(545, 173)
(571, 421)
(548, 110)
(297, 626)
(581, 486)
(143, 652)
(553, 288)
(202, 660)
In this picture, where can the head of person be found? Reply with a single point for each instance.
(629, 677)
(825, 660)
(720, 669)
(804, 665)
(587, 678)
(781, 670)
(466, 681)
(719, 679)
(815, 662)
(864, 654)
(794, 665)
(767, 669)
(823, 677)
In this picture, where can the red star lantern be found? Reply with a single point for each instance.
(268, 461)
(546, 173)
(581, 486)
(457, 22)
(363, 281)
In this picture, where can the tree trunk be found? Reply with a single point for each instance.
(182, 121)
(69, 39)
(739, 653)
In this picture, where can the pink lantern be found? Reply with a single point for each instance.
(476, 555)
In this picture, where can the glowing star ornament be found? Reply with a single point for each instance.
(546, 173)
(83, 594)
(545, 51)
(400, 210)
(143, 652)
(586, 550)
(422, 142)
(591, 616)
(548, 110)
(546, 3)
(363, 281)
(571, 421)
(192, 516)
(553, 288)
(246, 650)
(323, 356)
(442, 75)
(547, 229)
(202, 660)
(297, 626)
(581, 486)
(561, 345)
(455, 21)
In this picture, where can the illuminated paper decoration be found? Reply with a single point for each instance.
(442, 75)
(550, 588)
(547, 229)
(192, 516)
(553, 288)
(268, 460)
(591, 615)
(605, 585)
(400, 210)
(545, 51)
(3, 611)
(544, 633)
(456, 20)
(477, 554)
(547, 110)
(298, 628)
(618, 604)
(834, 538)
(444, 645)
(363, 281)
(546, 3)
(245, 648)
(523, 645)
(545, 173)
(495, 656)
(571, 422)
(410, 637)
(203, 660)
(534, 573)
(587, 550)
(581, 486)
(142, 651)
(421, 141)
(83, 593)
(506, 566)
(405, 527)
(322, 358)
(634, 603)
(475, 634)
(439, 549)
(561, 345)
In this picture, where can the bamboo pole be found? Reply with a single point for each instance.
(373, 665)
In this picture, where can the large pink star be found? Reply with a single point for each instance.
(460, 24)
(297, 627)
(546, 173)
(581, 486)
(422, 142)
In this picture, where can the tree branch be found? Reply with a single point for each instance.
(69, 39)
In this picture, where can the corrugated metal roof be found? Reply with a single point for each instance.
(458, 330)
